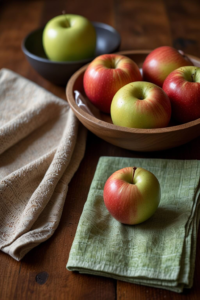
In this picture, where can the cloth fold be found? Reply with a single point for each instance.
(41, 146)
(159, 252)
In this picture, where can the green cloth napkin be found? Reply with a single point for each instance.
(159, 252)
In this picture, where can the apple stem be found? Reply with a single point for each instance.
(193, 76)
(67, 22)
(134, 169)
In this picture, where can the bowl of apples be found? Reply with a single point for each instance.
(139, 100)
(65, 44)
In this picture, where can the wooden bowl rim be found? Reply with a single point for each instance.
(99, 123)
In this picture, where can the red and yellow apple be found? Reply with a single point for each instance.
(105, 75)
(183, 88)
(132, 195)
(141, 105)
(161, 62)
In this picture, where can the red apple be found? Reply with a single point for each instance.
(183, 88)
(105, 75)
(161, 62)
(132, 195)
(141, 104)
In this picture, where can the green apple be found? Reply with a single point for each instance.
(69, 38)
(141, 104)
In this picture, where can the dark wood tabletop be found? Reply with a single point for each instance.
(142, 24)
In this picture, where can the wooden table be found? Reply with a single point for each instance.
(143, 24)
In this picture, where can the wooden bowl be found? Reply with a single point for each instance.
(131, 138)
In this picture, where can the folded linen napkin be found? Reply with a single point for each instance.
(41, 146)
(159, 252)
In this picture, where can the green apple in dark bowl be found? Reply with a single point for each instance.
(69, 37)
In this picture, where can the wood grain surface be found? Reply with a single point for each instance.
(143, 24)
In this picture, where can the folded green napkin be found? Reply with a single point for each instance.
(159, 252)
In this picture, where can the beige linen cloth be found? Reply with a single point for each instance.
(41, 146)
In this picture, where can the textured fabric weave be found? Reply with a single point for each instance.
(41, 146)
(159, 252)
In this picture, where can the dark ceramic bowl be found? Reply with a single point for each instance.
(108, 41)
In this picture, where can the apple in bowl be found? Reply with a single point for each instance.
(183, 88)
(132, 195)
(69, 38)
(105, 75)
(141, 105)
(160, 62)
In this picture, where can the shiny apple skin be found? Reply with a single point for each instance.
(105, 76)
(184, 94)
(128, 110)
(69, 37)
(161, 62)
(132, 201)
